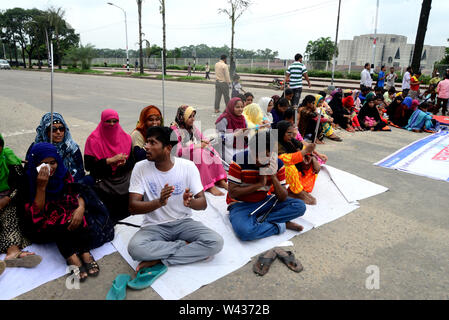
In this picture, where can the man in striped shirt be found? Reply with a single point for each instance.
(295, 72)
(252, 174)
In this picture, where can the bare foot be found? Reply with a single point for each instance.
(215, 191)
(74, 260)
(319, 142)
(294, 226)
(222, 184)
(304, 196)
(15, 252)
(147, 264)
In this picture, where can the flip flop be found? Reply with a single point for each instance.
(2, 266)
(263, 263)
(118, 288)
(29, 261)
(146, 276)
(288, 258)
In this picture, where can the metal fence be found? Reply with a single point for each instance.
(249, 64)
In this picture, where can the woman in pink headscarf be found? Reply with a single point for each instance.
(108, 158)
(232, 129)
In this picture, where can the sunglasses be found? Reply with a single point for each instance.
(60, 129)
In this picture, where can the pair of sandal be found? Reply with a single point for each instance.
(85, 268)
(263, 263)
(144, 278)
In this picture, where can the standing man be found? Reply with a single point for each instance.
(189, 70)
(381, 77)
(365, 77)
(443, 95)
(414, 85)
(295, 72)
(391, 78)
(223, 80)
(207, 70)
(406, 81)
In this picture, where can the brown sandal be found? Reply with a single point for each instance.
(288, 258)
(263, 263)
(29, 261)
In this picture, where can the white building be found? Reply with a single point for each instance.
(391, 50)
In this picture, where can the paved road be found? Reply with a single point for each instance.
(403, 231)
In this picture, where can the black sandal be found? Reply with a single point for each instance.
(263, 263)
(91, 265)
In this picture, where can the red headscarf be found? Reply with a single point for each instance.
(348, 102)
(107, 141)
(234, 122)
(144, 115)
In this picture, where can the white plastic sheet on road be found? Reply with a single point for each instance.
(333, 188)
(427, 157)
(337, 193)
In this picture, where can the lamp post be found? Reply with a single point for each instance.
(336, 44)
(126, 32)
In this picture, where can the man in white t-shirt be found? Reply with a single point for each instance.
(365, 77)
(406, 81)
(166, 189)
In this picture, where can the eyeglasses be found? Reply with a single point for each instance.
(111, 121)
(60, 129)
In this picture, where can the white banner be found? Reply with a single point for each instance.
(427, 157)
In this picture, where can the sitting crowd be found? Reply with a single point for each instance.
(263, 157)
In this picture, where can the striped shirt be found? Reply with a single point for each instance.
(296, 71)
(246, 173)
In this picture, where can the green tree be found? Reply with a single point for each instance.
(234, 12)
(83, 54)
(321, 49)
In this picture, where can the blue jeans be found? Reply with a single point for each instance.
(248, 227)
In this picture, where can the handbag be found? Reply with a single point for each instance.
(115, 184)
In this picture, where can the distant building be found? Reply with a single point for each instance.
(391, 50)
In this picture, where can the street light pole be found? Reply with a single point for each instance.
(375, 39)
(336, 39)
(126, 33)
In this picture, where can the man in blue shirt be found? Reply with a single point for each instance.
(381, 77)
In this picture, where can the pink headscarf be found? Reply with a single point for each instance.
(415, 104)
(234, 122)
(107, 141)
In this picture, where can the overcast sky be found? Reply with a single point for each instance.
(281, 25)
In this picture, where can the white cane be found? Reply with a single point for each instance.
(317, 125)
(272, 196)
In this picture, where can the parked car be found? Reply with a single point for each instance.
(4, 64)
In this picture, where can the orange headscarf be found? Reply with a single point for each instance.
(144, 115)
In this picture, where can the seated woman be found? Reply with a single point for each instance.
(194, 146)
(150, 116)
(341, 115)
(68, 149)
(369, 117)
(402, 113)
(108, 158)
(55, 210)
(348, 105)
(307, 121)
(266, 104)
(391, 109)
(254, 117)
(233, 130)
(421, 120)
(301, 166)
(12, 239)
(279, 109)
(327, 126)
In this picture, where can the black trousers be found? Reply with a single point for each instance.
(221, 89)
(296, 96)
